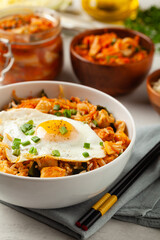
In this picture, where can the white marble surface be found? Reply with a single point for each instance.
(14, 225)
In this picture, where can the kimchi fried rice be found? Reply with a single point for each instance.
(112, 132)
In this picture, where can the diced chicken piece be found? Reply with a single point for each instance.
(44, 106)
(120, 126)
(52, 172)
(106, 134)
(113, 148)
(46, 162)
(121, 136)
(104, 119)
(83, 108)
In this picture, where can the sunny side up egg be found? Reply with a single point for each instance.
(29, 134)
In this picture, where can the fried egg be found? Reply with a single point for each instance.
(30, 134)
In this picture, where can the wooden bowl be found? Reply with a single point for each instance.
(112, 79)
(154, 97)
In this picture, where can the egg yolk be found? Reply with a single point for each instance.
(56, 130)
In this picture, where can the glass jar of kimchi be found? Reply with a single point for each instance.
(30, 44)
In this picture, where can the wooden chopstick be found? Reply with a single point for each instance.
(109, 199)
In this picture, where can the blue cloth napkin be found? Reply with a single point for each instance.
(139, 204)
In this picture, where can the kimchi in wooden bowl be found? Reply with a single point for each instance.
(114, 60)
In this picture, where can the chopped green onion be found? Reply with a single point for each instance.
(67, 113)
(16, 143)
(56, 107)
(73, 111)
(26, 127)
(85, 154)
(86, 145)
(58, 113)
(30, 122)
(16, 152)
(101, 143)
(63, 130)
(95, 123)
(30, 132)
(26, 143)
(1, 137)
(33, 150)
(35, 139)
(56, 153)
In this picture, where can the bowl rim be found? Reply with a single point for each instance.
(86, 173)
(149, 80)
(122, 29)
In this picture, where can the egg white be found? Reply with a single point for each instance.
(70, 150)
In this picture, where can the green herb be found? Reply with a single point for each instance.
(78, 170)
(99, 108)
(33, 150)
(16, 152)
(67, 113)
(73, 111)
(63, 130)
(16, 143)
(86, 145)
(26, 143)
(58, 113)
(43, 94)
(101, 143)
(56, 107)
(137, 49)
(35, 139)
(84, 165)
(109, 57)
(95, 123)
(1, 137)
(113, 41)
(56, 153)
(147, 22)
(85, 154)
(34, 171)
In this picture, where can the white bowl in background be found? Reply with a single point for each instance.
(64, 191)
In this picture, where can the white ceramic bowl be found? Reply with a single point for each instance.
(64, 191)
